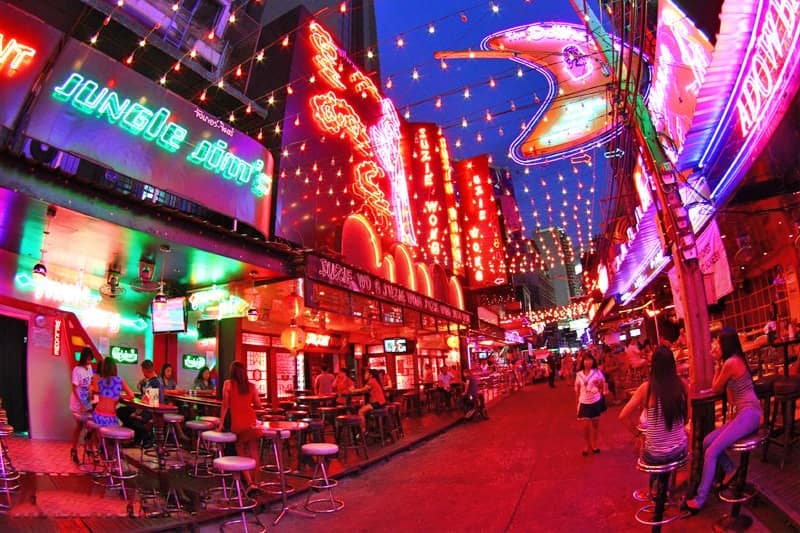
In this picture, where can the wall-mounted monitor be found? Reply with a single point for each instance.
(169, 317)
(397, 345)
(622, 337)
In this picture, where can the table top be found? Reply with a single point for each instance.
(785, 343)
(160, 408)
(315, 397)
(285, 424)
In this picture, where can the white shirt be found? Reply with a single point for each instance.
(589, 387)
(81, 378)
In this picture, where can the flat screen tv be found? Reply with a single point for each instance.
(396, 345)
(169, 317)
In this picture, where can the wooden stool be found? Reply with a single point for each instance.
(320, 452)
(660, 511)
(741, 491)
(379, 420)
(348, 435)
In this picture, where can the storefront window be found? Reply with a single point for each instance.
(286, 371)
(405, 371)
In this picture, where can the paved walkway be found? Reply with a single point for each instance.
(520, 471)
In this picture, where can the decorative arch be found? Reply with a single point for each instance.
(455, 295)
(424, 280)
(406, 275)
(361, 246)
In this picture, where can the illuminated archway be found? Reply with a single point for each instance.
(361, 246)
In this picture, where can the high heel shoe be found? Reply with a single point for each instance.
(690, 508)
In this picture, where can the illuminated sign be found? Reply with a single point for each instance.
(87, 96)
(13, 54)
(573, 114)
(26, 44)
(481, 227)
(57, 337)
(317, 339)
(682, 58)
(98, 108)
(193, 361)
(428, 195)
(764, 74)
(451, 204)
(218, 303)
(124, 355)
(66, 293)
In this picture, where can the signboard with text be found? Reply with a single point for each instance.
(26, 43)
(93, 106)
(124, 355)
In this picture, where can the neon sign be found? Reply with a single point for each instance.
(336, 116)
(193, 361)
(768, 63)
(154, 125)
(124, 355)
(453, 220)
(428, 188)
(65, 293)
(57, 337)
(327, 57)
(14, 52)
(219, 303)
(317, 339)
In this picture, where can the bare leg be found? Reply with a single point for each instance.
(595, 431)
(587, 435)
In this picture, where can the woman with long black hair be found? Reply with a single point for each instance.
(735, 378)
(665, 399)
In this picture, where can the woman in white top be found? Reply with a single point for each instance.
(80, 400)
(589, 388)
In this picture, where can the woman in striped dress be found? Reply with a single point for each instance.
(664, 398)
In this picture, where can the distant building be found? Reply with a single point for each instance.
(562, 268)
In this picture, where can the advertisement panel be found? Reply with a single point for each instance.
(26, 43)
(93, 106)
(485, 254)
(341, 151)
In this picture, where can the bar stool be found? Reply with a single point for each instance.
(377, 424)
(741, 491)
(216, 441)
(349, 436)
(235, 465)
(272, 439)
(170, 442)
(297, 414)
(117, 472)
(786, 391)
(91, 462)
(396, 421)
(660, 511)
(200, 451)
(320, 452)
(328, 416)
(9, 477)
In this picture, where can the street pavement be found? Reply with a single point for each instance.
(522, 470)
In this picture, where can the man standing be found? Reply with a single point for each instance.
(552, 366)
(324, 382)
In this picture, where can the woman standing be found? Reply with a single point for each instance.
(665, 399)
(79, 400)
(735, 378)
(589, 388)
(240, 397)
(110, 387)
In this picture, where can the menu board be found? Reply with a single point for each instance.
(257, 369)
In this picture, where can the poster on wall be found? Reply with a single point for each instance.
(26, 44)
(94, 106)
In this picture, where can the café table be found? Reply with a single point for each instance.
(785, 344)
(704, 419)
(316, 400)
(349, 395)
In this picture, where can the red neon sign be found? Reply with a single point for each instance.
(450, 203)
(13, 53)
(485, 254)
(336, 116)
(327, 57)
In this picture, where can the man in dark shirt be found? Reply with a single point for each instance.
(139, 420)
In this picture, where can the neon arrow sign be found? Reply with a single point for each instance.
(569, 61)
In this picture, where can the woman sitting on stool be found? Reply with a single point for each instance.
(665, 398)
(736, 378)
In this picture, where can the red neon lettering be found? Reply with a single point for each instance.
(327, 57)
(365, 186)
(14, 51)
(363, 85)
(336, 116)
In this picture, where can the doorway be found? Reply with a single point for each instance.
(14, 371)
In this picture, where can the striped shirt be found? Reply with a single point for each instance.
(660, 441)
(742, 393)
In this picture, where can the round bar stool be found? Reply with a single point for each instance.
(349, 436)
(202, 455)
(659, 512)
(741, 491)
(213, 419)
(378, 424)
(297, 414)
(171, 443)
(9, 477)
(235, 465)
(395, 421)
(786, 392)
(328, 416)
(320, 452)
(117, 472)
(91, 462)
(272, 439)
(216, 441)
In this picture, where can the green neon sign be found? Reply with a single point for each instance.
(193, 361)
(124, 355)
(154, 125)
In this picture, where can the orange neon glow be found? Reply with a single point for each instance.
(337, 117)
(456, 248)
(365, 187)
(389, 268)
(402, 255)
(456, 293)
(424, 278)
(374, 241)
(362, 84)
(327, 56)
(14, 52)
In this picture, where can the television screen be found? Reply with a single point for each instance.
(395, 345)
(169, 317)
